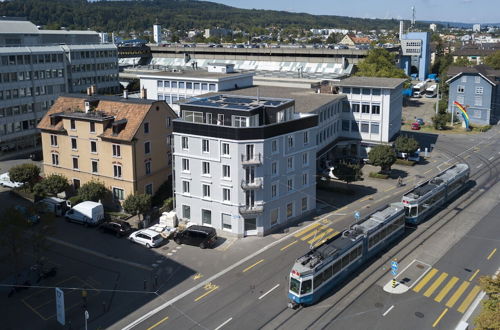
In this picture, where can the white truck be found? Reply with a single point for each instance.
(419, 89)
(53, 205)
(86, 213)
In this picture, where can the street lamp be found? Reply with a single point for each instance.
(437, 102)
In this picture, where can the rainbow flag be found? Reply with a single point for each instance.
(465, 116)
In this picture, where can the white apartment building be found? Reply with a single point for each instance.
(39, 65)
(244, 164)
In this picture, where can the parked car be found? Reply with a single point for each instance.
(119, 228)
(415, 157)
(415, 126)
(53, 205)
(146, 237)
(201, 236)
(420, 121)
(31, 218)
(87, 213)
(5, 181)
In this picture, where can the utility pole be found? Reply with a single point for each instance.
(437, 102)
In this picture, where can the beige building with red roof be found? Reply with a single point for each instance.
(352, 40)
(124, 143)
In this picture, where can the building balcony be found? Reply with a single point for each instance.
(255, 159)
(252, 184)
(251, 211)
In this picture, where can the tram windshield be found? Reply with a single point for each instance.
(306, 287)
(294, 285)
(411, 211)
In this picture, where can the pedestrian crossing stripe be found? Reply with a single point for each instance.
(305, 230)
(312, 233)
(468, 300)
(446, 289)
(426, 279)
(435, 285)
(320, 235)
(457, 294)
(326, 238)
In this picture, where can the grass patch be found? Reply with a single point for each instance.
(481, 129)
(118, 215)
(377, 175)
(405, 162)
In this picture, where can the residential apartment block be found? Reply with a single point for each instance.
(124, 143)
(36, 67)
(244, 164)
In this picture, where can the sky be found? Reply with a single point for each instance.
(463, 11)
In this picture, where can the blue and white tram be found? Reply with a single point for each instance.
(315, 273)
(429, 195)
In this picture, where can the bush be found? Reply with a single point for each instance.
(93, 191)
(405, 162)
(377, 175)
(25, 173)
(485, 128)
(168, 204)
(75, 200)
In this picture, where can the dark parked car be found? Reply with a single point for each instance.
(201, 236)
(117, 227)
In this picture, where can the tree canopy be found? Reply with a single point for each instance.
(137, 204)
(380, 63)
(406, 144)
(493, 60)
(348, 172)
(25, 173)
(488, 318)
(51, 185)
(93, 191)
(383, 156)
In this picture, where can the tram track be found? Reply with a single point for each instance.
(434, 224)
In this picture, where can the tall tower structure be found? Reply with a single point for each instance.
(401, 29)
(412, 17)
(157, 32)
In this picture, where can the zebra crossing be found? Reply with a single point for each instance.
(317, 233)
(442, 286)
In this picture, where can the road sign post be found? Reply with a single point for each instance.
(394, 272)
(86, 318)
(60, 313)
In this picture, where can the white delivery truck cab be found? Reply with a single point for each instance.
(87, 213)
(53, 205)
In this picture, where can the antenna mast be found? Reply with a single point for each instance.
(412, 17)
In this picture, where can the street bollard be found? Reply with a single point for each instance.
(393, 283)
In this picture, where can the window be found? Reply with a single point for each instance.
(93, 146)
(117, 171)
(289, 210)
(274, 190)
(206, 217)
(274, 217)
(116, 150)
(478, 101)
(239, 121)
(274, 146)
(476, 114)
(365, 127)
(460, 89)
(460, 99)
(375, 128)
(354, 126)
(205, 146)
(53, 140)
(92, 127)
(464, 79)
(290, 141)
(75, 163)
(185, 165)
(365, 108)
(226, 171)
(375, 91)
(148, 168)
(226, 194)
(290, 184)
(147, 147)
(304, 204)
(185, 144)
(146, 128)
(477, 79)
(226, 221)
(345, 125)
(118, 194)
(76, 184)
(206, 190)
(305, 158)
(74, 144)
(225, 149)
(186, 211)
(95, 166)
(55, 159)
(356, 90)
(220, 119)
(169, 121)
(479, 90)
(366, 91)
(346, 90)
(185, 187)
(306, 137)
(304, 179)
(72, 124)
(355, 107)
(289, 163)
(274, 168)
(375, 109)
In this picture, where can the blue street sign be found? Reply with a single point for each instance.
(394, 272)
(394, 265)
(357, 215)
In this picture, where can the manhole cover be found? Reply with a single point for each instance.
(418, 314)
(420, 266)
(379, 305)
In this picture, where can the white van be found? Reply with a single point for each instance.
(53, 205)
(87, 213)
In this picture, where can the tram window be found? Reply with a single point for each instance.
(336, 267)
(306, 287)
(328, 272)
(353, 255)
(294, 285)
(345, 261)
(407, 211)
(318, 280)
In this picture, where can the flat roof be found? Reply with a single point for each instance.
(192, 74)
(306, 100)
(370, 82)
(236, 102)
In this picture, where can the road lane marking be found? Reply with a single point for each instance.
(470, 297)
(287, 246)
(435, 285)
(457, 294)
(439, 318)
(223, 324)
(474, 275)
(468, 156)
(387, 311)
(158, 323)
(210, 288)
(428, 171)
(364, 199)
(491, 158)
(478, 166)
(197, 276)
(268, 292)
(252, 266)
(320, 236)
(305, 230)
(389, 189)
(491, 254)
(446, 289)
(326, 238)
(426, 279)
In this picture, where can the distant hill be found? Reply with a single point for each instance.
(459, 24)
(174, 14)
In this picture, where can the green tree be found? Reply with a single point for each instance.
(489, 316)
(462, 61)
(13, 227)
(440, 120)
(380, 63)
(493, 60)
(25, 173)
(93, 191)
(406, 144)
(383, 156)
(137, 204)
(54, 184)
(348, 172)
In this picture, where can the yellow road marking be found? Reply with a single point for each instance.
(326, 221)
(426, 279)
(314, 232)
(428, 171)
(287, 246)
(467, 301)
(457, 294)
(468, 156)
(158, 323)
(228, 245)
(320, 236)
(326, 239)
(197, 276)
(252, 266)
(305, 230)
(341, 208)
(364, 199)
(439, 318)
(389, 189)
(491, 254)
(34, 310)
(473, 275)
(446, 289)
(435, 285)
(210, 288)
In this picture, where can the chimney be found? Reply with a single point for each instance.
(125, 94)
(144, 93)
(87, 106)
(89, 91)
(93, 89)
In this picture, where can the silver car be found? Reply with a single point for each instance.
(147, 237)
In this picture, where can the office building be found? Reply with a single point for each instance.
(416, 53)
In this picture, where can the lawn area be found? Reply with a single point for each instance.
(455, 129)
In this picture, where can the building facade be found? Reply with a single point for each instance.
(244, 164)
(416, 53)
(123, 143)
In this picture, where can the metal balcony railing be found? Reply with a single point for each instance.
(248, 210)
(254, 159)
(256, 183)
